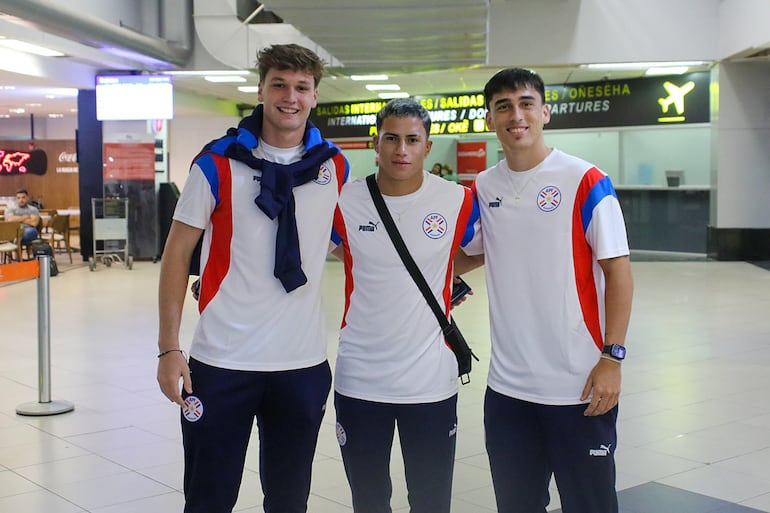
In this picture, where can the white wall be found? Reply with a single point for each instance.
(742, 133)
(580, 31)
(186, 138)
(45, 128)
(684, 148)
(743, 24)
(622, 152)
(15, 128)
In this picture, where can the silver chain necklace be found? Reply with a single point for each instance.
(518, 191)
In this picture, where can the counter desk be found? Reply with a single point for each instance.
(666, 218)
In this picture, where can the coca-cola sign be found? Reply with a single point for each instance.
(68, 157)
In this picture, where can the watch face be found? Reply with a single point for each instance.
(618, 352)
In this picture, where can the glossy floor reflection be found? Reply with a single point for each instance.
(694, 428)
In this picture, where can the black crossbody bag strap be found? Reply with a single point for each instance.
(403, 252)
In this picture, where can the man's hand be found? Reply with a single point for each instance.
(172, 289)
(604, 384)
(457, 281)
(171, 367)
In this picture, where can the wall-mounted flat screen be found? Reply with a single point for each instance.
(134, 97)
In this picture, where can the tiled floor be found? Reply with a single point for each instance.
(694, 420)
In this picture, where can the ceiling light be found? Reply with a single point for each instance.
(201, 73)
(388, 96)
(16, 111)
(55, 115)
(673, 70)
(368, 77)
(62, 91)
(225, 79)
(383, 87)
(248, 89)
(15, 44)
(641, 65)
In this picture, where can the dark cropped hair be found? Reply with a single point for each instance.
(404, 108)
(513, 79)
(22, 191)
(291, 57)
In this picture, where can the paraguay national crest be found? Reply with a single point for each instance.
(324, 175)
(434, 226)
(193, 408)
(549, 198)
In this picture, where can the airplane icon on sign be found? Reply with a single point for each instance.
(675, 95)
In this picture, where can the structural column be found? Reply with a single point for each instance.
(90, 166)
(740, 213)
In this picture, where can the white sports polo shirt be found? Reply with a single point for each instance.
(251, 322)
(546, 289)
(391, 346)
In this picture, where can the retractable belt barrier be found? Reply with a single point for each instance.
(41, 270)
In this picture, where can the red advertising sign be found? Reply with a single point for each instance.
(131, 161)
(471, 160)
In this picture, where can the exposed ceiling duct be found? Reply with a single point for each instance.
(235, 43)
(53, 18)
(398, 36)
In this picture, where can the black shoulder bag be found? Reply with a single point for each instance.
(451, 332)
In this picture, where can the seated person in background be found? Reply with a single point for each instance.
(28, 215)
(448, 173)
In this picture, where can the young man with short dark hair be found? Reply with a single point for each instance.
(394, 367)
(560, 288)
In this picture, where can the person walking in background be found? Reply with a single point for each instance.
(560, 290)
(393, 365)
(25, 213)
(259, 348)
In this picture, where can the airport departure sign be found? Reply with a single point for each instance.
(667, 100)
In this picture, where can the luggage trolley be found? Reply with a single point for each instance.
(110, 218)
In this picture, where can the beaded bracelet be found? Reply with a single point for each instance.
(164, 353)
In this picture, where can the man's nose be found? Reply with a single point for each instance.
(291, 93)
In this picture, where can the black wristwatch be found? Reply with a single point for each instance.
(615, 351)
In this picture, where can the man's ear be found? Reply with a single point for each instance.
(376, 142)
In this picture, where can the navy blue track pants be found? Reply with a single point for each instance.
(528, 442)
(288, 407)
(427, 432)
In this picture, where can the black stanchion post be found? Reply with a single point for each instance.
(44, 406)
